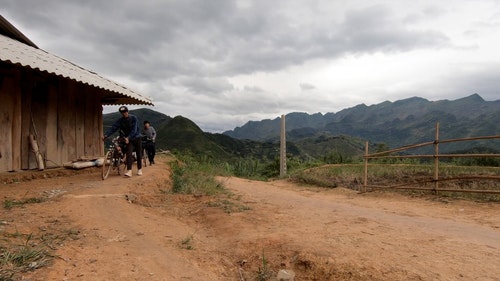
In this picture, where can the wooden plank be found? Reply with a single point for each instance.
(52, 158)
(16, 123)
(93, 123)
(99, 106)
(90, 125)
(81, 114)
(6, 115)
(66, 119)
(27, 156)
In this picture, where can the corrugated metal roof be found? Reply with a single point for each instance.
(9, 30)
(19, 53)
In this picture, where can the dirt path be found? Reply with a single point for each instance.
(392, 236)
(318, 234)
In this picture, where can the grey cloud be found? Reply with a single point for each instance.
(252, 89)
(378, 29)
(425, 14)
(205, 85)
(158, 39)
(306, 86)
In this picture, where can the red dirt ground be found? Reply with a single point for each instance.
(318, 234)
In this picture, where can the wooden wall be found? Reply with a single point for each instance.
(65, 116)
(10, 120)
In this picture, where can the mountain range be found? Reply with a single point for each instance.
(399, 123)
(341, 134)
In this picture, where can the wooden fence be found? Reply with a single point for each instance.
(436, 156)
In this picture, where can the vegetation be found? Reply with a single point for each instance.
(347, 172)
(195, 176)
(186, 243)
(21, 252)
(229, 206)
(419, 175)
(264, 273)
(9, 204)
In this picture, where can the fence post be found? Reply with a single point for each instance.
(283, 148)
(365, 180)
(436, 159)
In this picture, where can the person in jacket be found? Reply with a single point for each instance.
(149, 139)
(129, 130)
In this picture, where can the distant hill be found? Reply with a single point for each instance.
(396, 123)
(143, 114)
(181, 134)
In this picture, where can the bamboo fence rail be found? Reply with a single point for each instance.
(436, 156)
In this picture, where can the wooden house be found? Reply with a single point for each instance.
(51, 101)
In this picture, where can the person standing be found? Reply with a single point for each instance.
(129, 130)
(149, 134)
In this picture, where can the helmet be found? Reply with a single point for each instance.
(123, 109)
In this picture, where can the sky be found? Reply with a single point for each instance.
(222, 63)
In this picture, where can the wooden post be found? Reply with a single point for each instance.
(283, 147)
(436, 159)
(365, 179)
(36, 151)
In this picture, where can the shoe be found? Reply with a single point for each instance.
(139, 173)
(128, 173)
(152, 162)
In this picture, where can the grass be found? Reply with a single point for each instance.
(351, 176)
(228, 206)
(264, 273)
(197, 177)
(21, 257)
(20, 252)
(9, 204)
(191, 176)
(186, 243)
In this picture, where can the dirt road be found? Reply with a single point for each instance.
(133, 229)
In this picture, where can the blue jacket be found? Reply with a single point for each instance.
(129, 127)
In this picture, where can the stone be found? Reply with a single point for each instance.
(285, 275)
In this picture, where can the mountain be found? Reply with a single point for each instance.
(396, 124)
(172, 133)
(143, 114)
(181, 134)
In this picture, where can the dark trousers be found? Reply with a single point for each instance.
(134, 145)
(150, 150)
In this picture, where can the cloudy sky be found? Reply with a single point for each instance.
(222, 63)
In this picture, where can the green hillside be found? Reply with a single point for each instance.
(183, 134)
